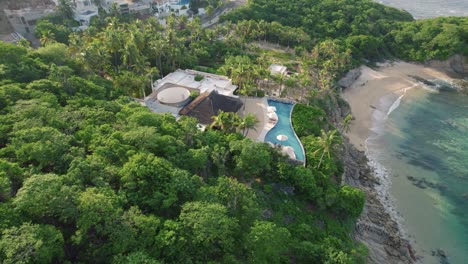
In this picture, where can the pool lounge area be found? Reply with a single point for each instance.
(283, 133)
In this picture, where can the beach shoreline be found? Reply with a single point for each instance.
(372, 95)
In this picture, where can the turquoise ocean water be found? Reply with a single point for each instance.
(421, 153)
(421, 150)
(430, 8)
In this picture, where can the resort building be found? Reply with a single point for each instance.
(201, 81)
(203, 95)
(276, 69)
(209, 104)
(22, 15)
(210, 92)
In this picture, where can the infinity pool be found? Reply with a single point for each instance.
(183, 2)
(284, 127)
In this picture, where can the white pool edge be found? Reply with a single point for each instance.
(298, 139)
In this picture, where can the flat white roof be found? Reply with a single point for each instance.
(277, 69)
(173, 95)
(210, 82)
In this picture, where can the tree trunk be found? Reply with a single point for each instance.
(321, 158)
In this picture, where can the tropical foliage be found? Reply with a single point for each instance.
(87, 175)
(369, 29)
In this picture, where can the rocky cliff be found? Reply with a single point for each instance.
(375, 228)
(456, 63)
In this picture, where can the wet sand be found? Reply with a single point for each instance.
(365, 95)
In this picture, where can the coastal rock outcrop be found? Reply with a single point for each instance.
(349, 78)
(375, 228)
(456, 63)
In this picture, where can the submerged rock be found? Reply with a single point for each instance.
(443, 258)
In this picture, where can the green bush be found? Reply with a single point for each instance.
(198, 77)
(307, 120)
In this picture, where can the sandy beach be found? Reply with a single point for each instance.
(388, 81)
(372, 96)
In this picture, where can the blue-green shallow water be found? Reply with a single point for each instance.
(284, 127)
(425, 142)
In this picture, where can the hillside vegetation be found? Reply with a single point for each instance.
(88, 176)
(370, 30)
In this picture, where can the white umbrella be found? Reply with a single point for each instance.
(289, 151)
(271, 109)
(272, 115)
(282, 137)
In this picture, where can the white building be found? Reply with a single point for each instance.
(172, 93)
(24, 21)
(276, 69)
(207, 82)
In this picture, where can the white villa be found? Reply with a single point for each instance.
(172, 93)
(222, 84)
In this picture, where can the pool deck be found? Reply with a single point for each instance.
(257, 106)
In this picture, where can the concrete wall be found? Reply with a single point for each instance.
(22, 14)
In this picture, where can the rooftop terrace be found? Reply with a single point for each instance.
(186, 78)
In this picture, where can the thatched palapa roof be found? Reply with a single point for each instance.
(207, 105)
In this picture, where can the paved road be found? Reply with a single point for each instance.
(209, 22)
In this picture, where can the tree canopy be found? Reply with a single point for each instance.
(88, 175)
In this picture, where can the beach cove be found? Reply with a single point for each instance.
(391, 105)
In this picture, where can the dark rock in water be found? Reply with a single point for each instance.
(443, 258)
(419, 185)
(422, 80)
(411, 178)
(442, 187)
(462, 86)
(441, 252)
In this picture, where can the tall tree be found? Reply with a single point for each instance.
(248, 122)
(31, 243)
(208, 228)
(66, 8)
(326, 144)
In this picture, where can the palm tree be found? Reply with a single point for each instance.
(220, 121)
(2, 69)
(226, 121)
(326, 144)
(346, 121)
(279, 78)
(47, 38)
(209, 11)
(291, 82)
(150, 72)
(305, 81)
(247, 123)
(66, 8)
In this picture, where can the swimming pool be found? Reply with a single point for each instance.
(183, 2)
(284, 127)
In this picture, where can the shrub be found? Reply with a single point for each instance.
(198, 78)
